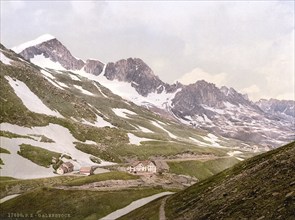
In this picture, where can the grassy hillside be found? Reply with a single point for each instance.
(262, 187)
(79, 204)
(202, 169)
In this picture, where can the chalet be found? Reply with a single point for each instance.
(65, 168)
(86, 171)
(142, 166)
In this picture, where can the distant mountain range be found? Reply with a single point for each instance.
(201, 104)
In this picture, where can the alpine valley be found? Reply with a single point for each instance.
(58, 109)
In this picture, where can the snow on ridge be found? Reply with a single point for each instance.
(122, 112)
(29, 99)
(126, 91)
(5, 59)
(39, 40)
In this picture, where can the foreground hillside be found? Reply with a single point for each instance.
(262, 187)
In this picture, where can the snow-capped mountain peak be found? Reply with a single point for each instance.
(38, 40)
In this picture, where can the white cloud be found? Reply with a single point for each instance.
(199, 74)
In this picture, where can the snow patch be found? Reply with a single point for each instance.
(63, 143)
(100, 122)
(168, 132)
(83, 90)
(99, 89)
(39, 40)
(74, 77)
(46, 73)
(144, 129)
(233, 153)
(4, 59)
(44, 62)
(63, 85)
(199, 142)
(123, 113)
(212, 139)
(136, 140)
(29, 99)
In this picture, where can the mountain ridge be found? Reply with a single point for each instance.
(200, 104)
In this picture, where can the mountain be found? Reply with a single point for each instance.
(262, 187)
(71, 114)
(138, 74)
(223, 111)
(47, 51)
(281, 108)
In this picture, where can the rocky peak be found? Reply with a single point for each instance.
(54, 50)
(138, 73)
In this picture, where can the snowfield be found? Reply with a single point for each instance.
(4, 59)
(29, 99)
(44, 62)
(64, 143)
(39, 40)
(18, 166)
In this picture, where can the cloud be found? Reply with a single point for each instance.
(199, 74)
(252, 90)
(251, 41)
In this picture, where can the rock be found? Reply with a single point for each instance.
(289, 194)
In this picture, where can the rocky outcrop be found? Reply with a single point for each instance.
(94, 67)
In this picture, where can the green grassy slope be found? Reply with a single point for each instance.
(260, 187)
(202, 169)
(79, 204)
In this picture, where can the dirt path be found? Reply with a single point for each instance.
(134, 205)
(162, 215)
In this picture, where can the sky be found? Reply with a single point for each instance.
(247, 45)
